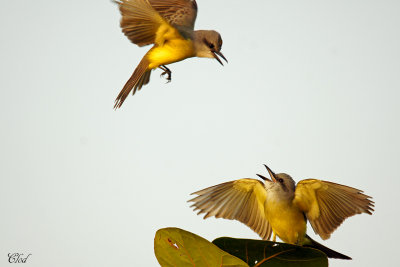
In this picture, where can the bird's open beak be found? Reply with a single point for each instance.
(263, 177)
(271, 173)
(216, 54)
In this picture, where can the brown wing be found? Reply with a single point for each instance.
(181, 14)
(242, 200)
(327, 204)
(140, 21)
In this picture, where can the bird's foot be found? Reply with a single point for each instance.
(168, 78)
(166, 72)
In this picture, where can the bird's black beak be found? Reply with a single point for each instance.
(263, 177)
(271, 173)
(218, 53)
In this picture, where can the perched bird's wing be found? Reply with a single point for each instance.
(242, 200)
(181, 14)
(327, 204)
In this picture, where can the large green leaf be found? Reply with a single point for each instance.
(177, 247)
(266, 253)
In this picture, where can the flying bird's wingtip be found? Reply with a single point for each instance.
(115, 2)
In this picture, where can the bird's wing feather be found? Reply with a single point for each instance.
(143, 25)
(181, 14)
(242, 200)
(327, 204)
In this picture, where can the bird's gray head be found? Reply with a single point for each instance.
(208, 44)
(280, 181)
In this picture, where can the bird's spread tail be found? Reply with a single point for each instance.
(329, 252)
(140, 77)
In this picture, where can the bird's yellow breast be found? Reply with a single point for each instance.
(170, 52)
(287, 221)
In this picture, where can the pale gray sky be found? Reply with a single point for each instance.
(311, 89)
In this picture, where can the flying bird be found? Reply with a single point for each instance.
(169, 26)
(282, 208)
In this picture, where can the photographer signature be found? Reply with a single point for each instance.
(17, 257)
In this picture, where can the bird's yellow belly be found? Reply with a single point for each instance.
(287, 222)
(172, 51)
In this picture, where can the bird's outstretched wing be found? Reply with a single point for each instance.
(139, 21)
(181, 14)
(327, 204)
(146, 22)
(242, 200)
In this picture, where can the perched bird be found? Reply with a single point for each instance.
(169, 25)
(281, 208)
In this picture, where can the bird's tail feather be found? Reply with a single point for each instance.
(329, 252)
(140, 77)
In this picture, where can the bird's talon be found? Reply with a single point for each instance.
(168, 78)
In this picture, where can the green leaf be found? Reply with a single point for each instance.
(177, 247)
(262, 253)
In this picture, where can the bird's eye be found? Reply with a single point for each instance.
(210, 45)
(280, 180)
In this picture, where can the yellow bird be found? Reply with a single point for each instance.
(281, 208)
(169, 25)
